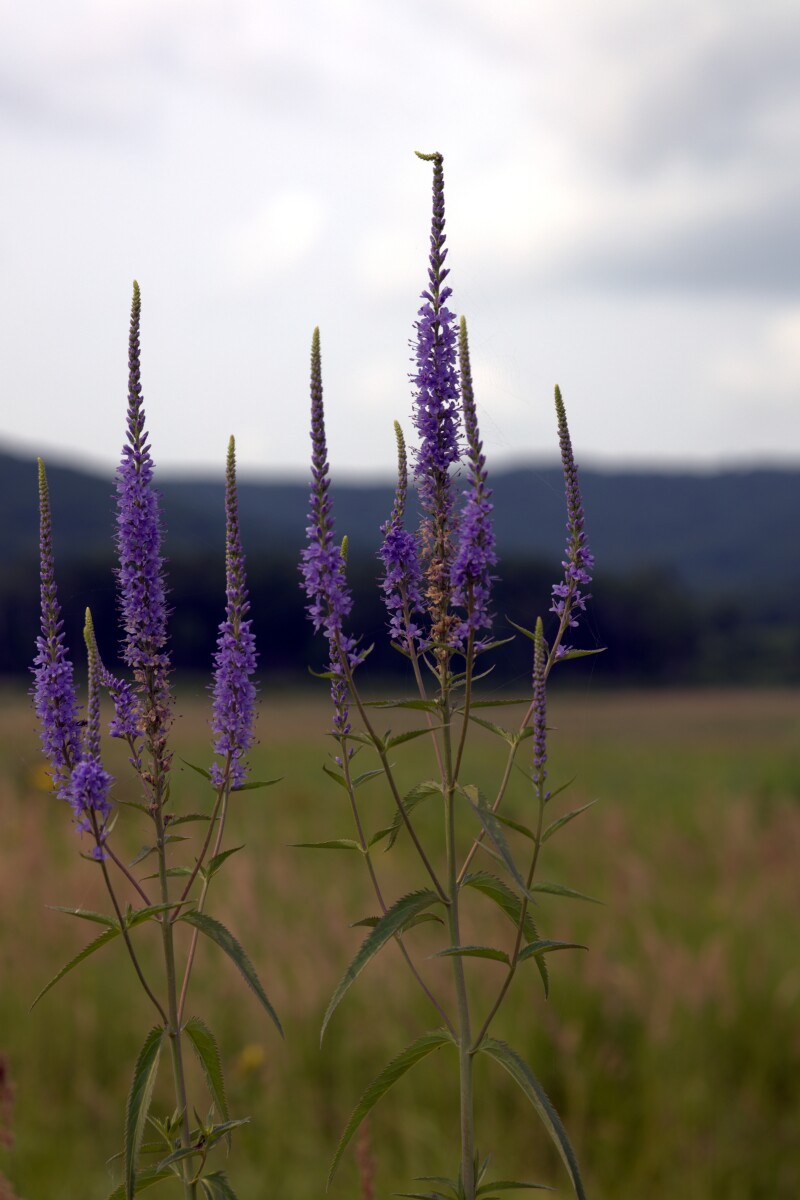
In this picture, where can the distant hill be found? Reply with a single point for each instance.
(729, 531)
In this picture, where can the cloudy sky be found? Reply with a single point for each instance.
(623, 191)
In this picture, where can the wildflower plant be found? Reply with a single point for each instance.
(437, 584)
(180, 1146)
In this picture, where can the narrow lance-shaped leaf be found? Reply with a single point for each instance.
(391, 923)
(97, 944)
(495, 831)
(205, 1047)
(390, 1074)
(217, 932)
(521, 1073)
(139, 1098)
(504, 898)
(562, 821)
(217, 1186)
(146, 1179)
(474, 952)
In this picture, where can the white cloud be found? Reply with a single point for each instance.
(275, 239)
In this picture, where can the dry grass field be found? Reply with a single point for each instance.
(672, 1049)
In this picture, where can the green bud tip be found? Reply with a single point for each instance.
(343, 550)
(435, 157)
(88, 634)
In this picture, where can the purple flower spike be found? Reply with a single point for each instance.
(436, 418)
(322, 562)
(475, 555)
(402, 578)
(234, 693)
(53, 689)
(141, 568)
(539, 709)
(90, 782)
(568, 599)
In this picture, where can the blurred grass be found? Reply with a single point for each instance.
(672, 1049)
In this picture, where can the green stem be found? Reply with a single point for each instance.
(173, 1023)
(220, 813)
(523, 912)
(465, 1066)
(377, 742)
(365, 850)
(123, 928)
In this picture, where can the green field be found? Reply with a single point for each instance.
(671, 1049)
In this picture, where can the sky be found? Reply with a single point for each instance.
(623, 218)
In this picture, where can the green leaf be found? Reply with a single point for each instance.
(132, 919)
(102, 940)
(546, 946)
(516, 826)
(511, 1185)
(521, 1073)
(336, 776)
(422, 705)
(214, 864)
(224, 1128)
(144, 853)
(184, 820)
(217, 1186)
(205, 1047)
(511, 904)
(200, 770)
(86, 914)
(389, 925)
(179, 1156)
(562, 821)
(143, 1181)
(365, 776)
(217, 932)
(495, 831)
(474, 952)
(333, 844)
(558, 889)
(579, 654)
(252, 787)
(521, 629)
(138, 1106)
(428, 787)
(419, 919)
(390, 1074)
(500, 703)
(498, 730)
(399, 738)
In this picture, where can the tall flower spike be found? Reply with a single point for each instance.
(141, 568)
(402, 575)
(539, 709)
(475, 555)
(322, 564)
(90, 782)
(568, 599)
(234, 693)
(436, 414)
(53, 689)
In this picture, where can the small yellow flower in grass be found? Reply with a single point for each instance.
(250, 1059)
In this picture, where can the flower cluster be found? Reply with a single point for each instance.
(475, 555)
(568, 599)
(539, 708)
(436, 414)
(53, 689)
(141, 570)
(322, 564)
(233, 690)
(402, 575)
(90, 783)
